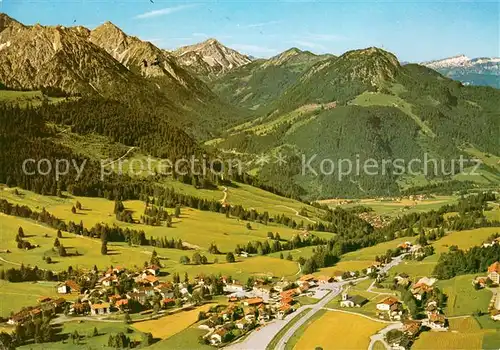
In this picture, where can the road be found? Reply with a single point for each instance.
(297, 213)
(259, 339)
(380, 336)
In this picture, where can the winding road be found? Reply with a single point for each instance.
(297, 213)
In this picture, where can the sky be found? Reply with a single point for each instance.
(415, 31)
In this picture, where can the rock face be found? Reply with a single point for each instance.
(210, 58)
(79, 61)
(36, 56)
(470, 71)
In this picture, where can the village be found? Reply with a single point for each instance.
(237, 308)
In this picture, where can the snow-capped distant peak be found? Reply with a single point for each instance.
(455, 61)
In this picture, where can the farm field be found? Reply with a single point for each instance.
(272, 344)
(416, 269)
(168, 326)
(25, 98)
(463, 299)
(23, 294)
(334, 330)
(344, 266)
(87, 340)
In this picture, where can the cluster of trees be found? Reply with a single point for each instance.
(119, 341)
(197, 259)
(458, 262)
(29, 274)
(155, 216)
(277, 245)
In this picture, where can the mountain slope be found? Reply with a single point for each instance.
(365, 106)
(477, 71)
(108, 63)
(210, 58)
(255, 85)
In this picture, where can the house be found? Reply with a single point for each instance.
(427, 281)
(307, 279)
(437, 321)
(140, 297)
(233, 287)
(281, 286)
(324, 279)
(253, 301)
(108, 281)
(58, 304)
(352, 301)
(42, 300)
(495, 315)
(480, 282)
(263, 290)
(387, 303)
(411, 328)
(167, 302)
(153, 270)
(68, 286)
(494, 272)
(283, 311)
(419, 291)
(240, 324)
(338, 276)
(217, 337)
(151, 280)
(122, 303)
(99, 309)
(406, 246)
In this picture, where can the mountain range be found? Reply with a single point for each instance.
(360, 105)
(471, 71)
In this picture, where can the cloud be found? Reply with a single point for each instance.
(164, 11)
(201, 35)
(255, 49)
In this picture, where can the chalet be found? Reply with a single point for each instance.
(166, 302)
(42, 300)
(480, 282)
(281, 285)
(419, 290)
(108, 281)
(100, 309)
(352, 301)
(250, 314)
(150, 280)
(288, 293)
(68, 286)
(387, 303)
(58, 304)
(253, 301)
(149, 291)
(406, 246)
(494, 272)
(303, 288)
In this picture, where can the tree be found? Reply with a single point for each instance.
(249, 227)
(104, 248)
(59, 234)
(75, 337)
(184, 260)
(95, 333)
(230, 257)
(78, 205)
(270, 235)
(20, 232)
(281, 256)
(62, 251)
(73, 210)
(177, 212)
(48, 260)
(196, 259)
(126, 318)
(289, 256)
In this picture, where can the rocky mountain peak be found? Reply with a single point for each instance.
(210, 58)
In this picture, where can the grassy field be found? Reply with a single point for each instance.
(85, 330)
(334, 330)
(463, 299)
(465, 333)
(185, 339)
(199, 228)
(168, 326)
(369, 253)
(24, 98)
(464, 239)
(395, 208)
(20, 295)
